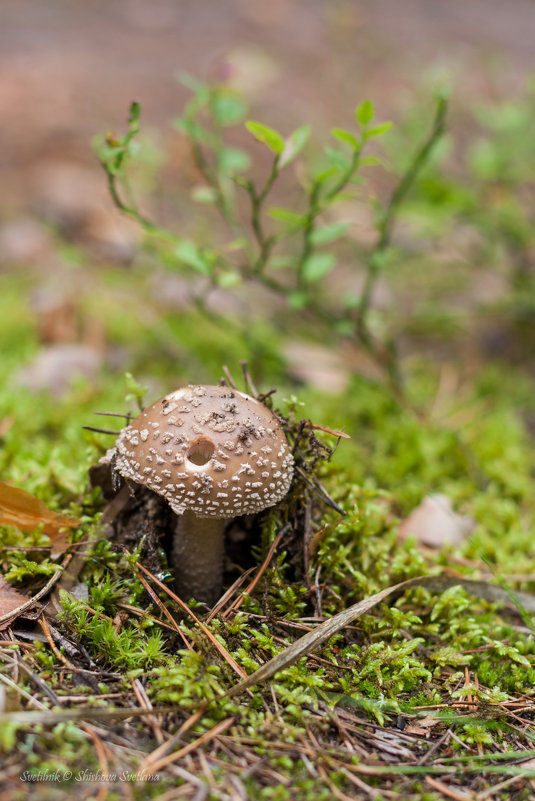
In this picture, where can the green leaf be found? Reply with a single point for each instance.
(297, 300)
(135, 390)
(329, 233)
(351, 300)
(236, 244)
(229, 279)
(192, 83)
(370, 160)
(231, 160)
(294, 144)
(193, 130)
(228, 108)
(325, 174)
(378, 130)
(364, 113)
(336, 158)
(268, 136)
(204, 194)
(344, 327)
(287, 216)
(135, 113)
(317, 266)
(188, 252)
(347, 137)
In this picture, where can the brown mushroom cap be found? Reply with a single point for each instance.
(209, 449)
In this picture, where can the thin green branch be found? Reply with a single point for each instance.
(386, 352)
(419, 160)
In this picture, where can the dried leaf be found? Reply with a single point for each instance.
(24, 603)
(56, 366)
(10, 599)
(423, 726)
(21, 509)
(434, 523)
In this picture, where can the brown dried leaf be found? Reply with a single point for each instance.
(10, 599)
(423, 726)
(21, 509)
(434, 523)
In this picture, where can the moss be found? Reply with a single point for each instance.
(409, 654)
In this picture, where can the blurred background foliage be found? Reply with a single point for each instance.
(399, 290)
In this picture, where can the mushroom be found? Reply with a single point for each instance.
(213, 453)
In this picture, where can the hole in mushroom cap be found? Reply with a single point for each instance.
(200, 451)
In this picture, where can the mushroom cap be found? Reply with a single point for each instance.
(210, 449)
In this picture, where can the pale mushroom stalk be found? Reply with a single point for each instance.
(197, 557)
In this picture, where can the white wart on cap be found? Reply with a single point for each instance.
(211, 452)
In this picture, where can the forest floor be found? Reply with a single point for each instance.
(109, 686)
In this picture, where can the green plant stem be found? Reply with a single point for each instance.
(265, 244)
(312, 214)
(344, 178)
(418, 162)
(132, 211)
(386, 353)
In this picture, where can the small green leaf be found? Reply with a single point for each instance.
(268, 136)
(370, 160)
(135, 113)
(325, 174)
(344, 327)
(329, 233)
(351, 300)
(231, 160)
(135, 390)
(204, 194)
(228, 108)
(188, 252)
(297, 300)
(236, 244)
(192, 83)
(294, 144)
(229, 279)
(317, 266)
(287, 216)
(193, 130)
(347, 137)
(336, 158)
(378, 130)
(364, 113)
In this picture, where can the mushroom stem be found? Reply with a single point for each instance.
(197, 557)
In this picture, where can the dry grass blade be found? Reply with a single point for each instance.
(449, 792)
(100, 750)
(229, 593)
(46, 630)
(187, 749)
(166, 612)
(215, 642)
(165, 748)
(304, 645)
(235, 606)
(52, 716)
(334, 432)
